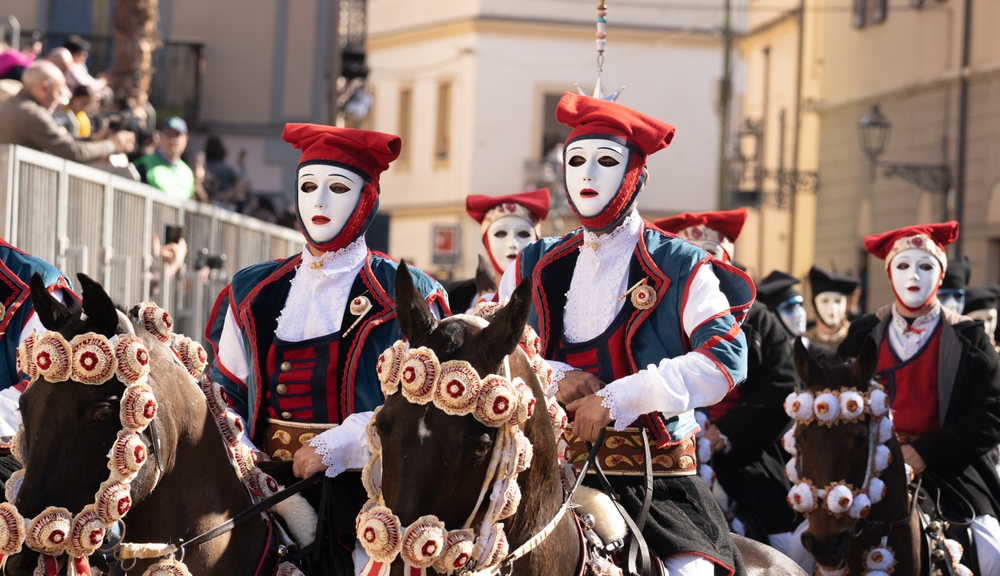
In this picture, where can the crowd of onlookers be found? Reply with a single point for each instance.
(54, 104)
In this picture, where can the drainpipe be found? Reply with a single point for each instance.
(725, 94)
(963, 123)
(796, 139)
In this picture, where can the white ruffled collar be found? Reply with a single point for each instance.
(336, 262)
(625, 235)
(926, 321)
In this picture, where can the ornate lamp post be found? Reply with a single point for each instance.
(873, 131)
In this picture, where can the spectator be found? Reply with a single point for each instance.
(76, 72)
(13, 63)
(73, 116)
(26, 119)
(61, 58)
(164, 168)
(231, 185)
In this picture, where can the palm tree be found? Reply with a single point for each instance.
(135, 36)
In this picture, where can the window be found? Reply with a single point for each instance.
(403, 130)
(865, 12)
(442, 132)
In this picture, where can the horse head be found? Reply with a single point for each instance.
(441, 464)
(70, 428)
(834, 439)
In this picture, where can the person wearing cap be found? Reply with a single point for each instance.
(744, 429)
(164, 168)
(830, 293)
(942, 376)
(509, 223)
(296, 341)
(951, 294)
(981, 303)
(776, 292)
(641, 328)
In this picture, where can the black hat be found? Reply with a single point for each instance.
(982, 297)
(956, 277)
(775, 289)
(75, 44)
(821, 281)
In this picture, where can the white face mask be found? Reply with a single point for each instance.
(831, 307)
(793, 315)
(989, 318)
(506, 237)
(915, 276)
(716, 250)
(595, 169)
(327, 196)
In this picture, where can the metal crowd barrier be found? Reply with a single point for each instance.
(82, 219)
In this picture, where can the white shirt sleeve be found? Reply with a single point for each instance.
(508, 282)
(231, 352)
(675, 385)
(346, 446)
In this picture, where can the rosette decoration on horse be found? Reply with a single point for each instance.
(496, 401)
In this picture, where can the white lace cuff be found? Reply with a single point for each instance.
(559, 371)
(10, 415)
(344, 447)
(725, 440)
(610, 401)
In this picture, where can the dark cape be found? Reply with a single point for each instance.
(969, 412)
(753, 472)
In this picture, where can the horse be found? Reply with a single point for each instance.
(842, 450)
(436, 463)
(187, 485)
(462, 294)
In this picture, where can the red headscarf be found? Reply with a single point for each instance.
(363, 151)
(727, 224)
(531, 206)
(931, 238)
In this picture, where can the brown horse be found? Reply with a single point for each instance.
(435, 463)
(840, 453)
(70, 427)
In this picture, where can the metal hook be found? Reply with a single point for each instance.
(130, 566)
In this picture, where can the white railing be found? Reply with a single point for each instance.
(82, 219)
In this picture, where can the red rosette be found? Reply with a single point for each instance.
(457, 388)
(215, 394)
(156, 321)
(496, 402)
(497, 548)
(244, 459)
(371, 434)
(525, 451)
(167, 567)
(113, 501)
(48, 533)
(138, 407)
(423, 542)
(17, 445)
(542, 371)
(511, 500)
(231, 427)
(52, 357)
(192, 355)
(380, 533)
(371, 476)
(11, 530)
(93, 359)
(486, 310)
(531, 342)
(13, 485)
(131, 358)
(127, 456)
(418, 375)
(288, 569)
(86, 534)
(525, 403)
(25, 357)
(389, 366)
(458, 548)
(262, 483)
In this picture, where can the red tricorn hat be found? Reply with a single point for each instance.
(930, 238)
(593, 116)
(696, 226)
(367, 151)
(532, 206)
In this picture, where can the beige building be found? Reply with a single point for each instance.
(472, 85)
(845, 58)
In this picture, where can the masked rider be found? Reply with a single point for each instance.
(776, 292)
(745, 427)
(509, 223)
(297, 340)
(981, 303)
(951, 294)
(941, 373)
(830, 294)
(642, 328)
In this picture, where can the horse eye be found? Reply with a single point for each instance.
(102, 413)
(861, 440)
(484, 445)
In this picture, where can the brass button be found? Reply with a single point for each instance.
(286, 415)
(281, 388)
(286, 366)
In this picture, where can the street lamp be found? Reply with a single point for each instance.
(873, 130)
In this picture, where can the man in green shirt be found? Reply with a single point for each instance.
(164, 168)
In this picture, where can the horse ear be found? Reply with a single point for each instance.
(98, 306)
(805, 365)
(51, 312)
(414, 315)
(484, 276)
(500, 338)
(867, 362)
